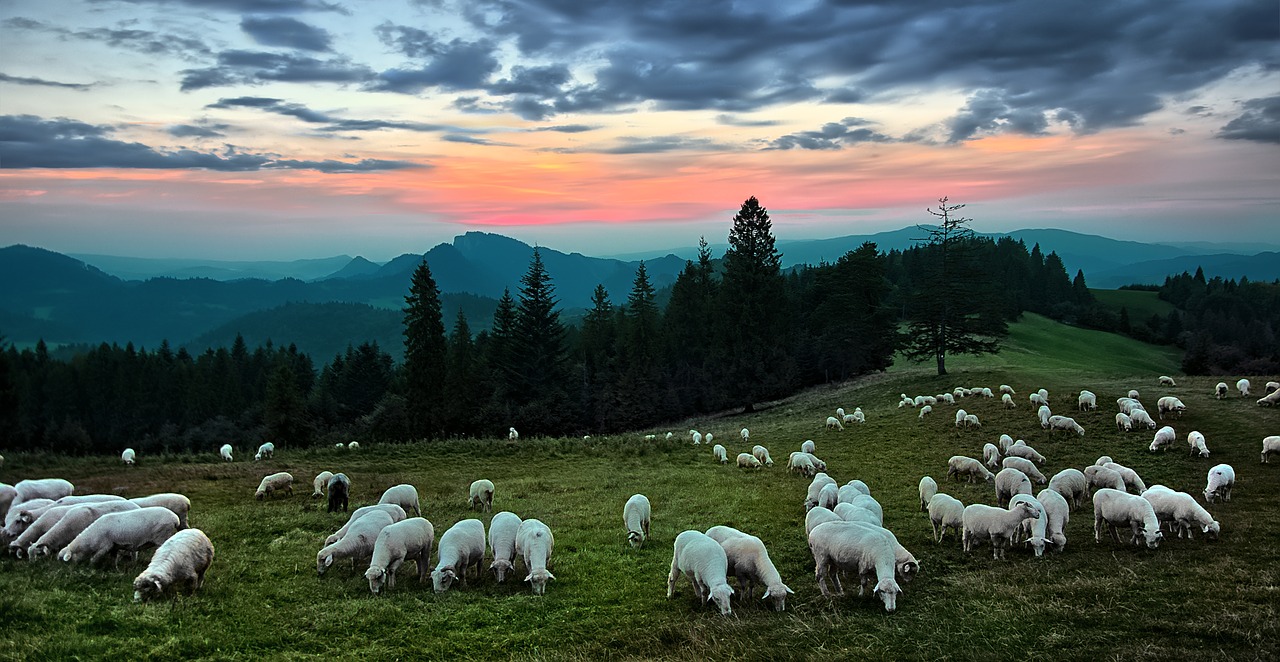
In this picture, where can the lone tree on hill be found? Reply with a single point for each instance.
(948, 310)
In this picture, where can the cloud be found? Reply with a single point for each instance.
(471, 140)
(660, 144)
(248, 6)
(24, 80)
(733, 120)
(567, 128)
(832, 135)
(991, 111)
(457, 65)
(1260, 122)
(202, 129)
(241, 67)
(286, 32)
(333, 123)
(27, 141)
(147, 42)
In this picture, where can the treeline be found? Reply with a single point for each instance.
(1226, 327)
(735, 332)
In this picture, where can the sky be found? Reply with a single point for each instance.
(285, 129)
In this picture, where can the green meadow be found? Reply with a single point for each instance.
(1141, 304)
(1187, 600)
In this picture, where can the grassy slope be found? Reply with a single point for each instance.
(262, 599)
(1141, 304)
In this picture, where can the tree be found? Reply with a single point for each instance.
(688, 343)
(285, 411)
(598, 345)
(424, 354)
(462, 380)
(948, 312)
(540, 353)
(640, 376)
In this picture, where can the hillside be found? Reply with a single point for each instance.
(1141, 304)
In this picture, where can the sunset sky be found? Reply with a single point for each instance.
(282, 129)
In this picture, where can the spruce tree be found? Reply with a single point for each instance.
(285, 413)
(598, 347)
(540, 353)
(640, 376)
(424, 354)
(461, 380)
(686, 332)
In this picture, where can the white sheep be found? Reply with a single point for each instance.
(960, 465)
(1270, 446)
(353, 446)
(1010, 482)
(819, 516)
(749, 563)
(1221, 479)
(834, 423)
(357, 541)
(319, 483)
(762, 454)
(996, 525)
(396, 513)
(707, 438)
(851, 513)
(802, 463)
(1270, 400)
(1141, 417)
(748, 461)
(849, 547)
(1123, 422)
(460, 547)
(1044, 414)
(829, 495)
(41, 488)
(1164, 437)
(869, 504)
(512, 435)
(265, 452)
(946, 398)
(971, 421)
(986, 393)
(1007, 390)
(178, 503)
(925, 410)
(1007, 401)
(860, 486)
(720, 454)
(1022, 450)
(1072, 485)
(128, 457)
(1166, 380)
(340, 446)
(1099, 477)
(1027, 467)
(46, 521)
(405, 496)
(127, 531)
(1114, 508)
(276, 482)
(225, 452)
(7, 495)
(746, 435)
(182, 560)
(960, 414)
(1036, 527)
(1272, 387)
(703, 561)
(535, 543)
(812, 497)
(1087, 401)
(1243, 387)
(411, 539)
(695, 436)
(848, 493)
(1057, 514)
(76, 519)
(858, 415)
(481, 495)
(635, 515)
(20, 515)
(1065, 423)
(1197, 443)
(1128, 405)
(1220, 391)
(1005, 442)
(1044, 396)
(991, 455)
(945, 511)
(1181, 512)
(808, 446)
(1170, 405)
(906, 566)
(928, 488)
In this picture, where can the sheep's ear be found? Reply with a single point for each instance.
(159, 589)
(528, 577)
(328, 560)
(788, 589)
(550, 576)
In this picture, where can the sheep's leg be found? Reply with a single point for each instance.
(820, 574)
(671, 580)
(934, 525)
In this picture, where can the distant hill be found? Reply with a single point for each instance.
(142, 268)
(358, 267)
(1263, 266)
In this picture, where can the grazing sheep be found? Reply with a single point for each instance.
(1036, 400)
(1065, 423)
(991, 455)
(73, 522)
(860, 486)
(971, 421)
(848, 493)
(1087, 401)
(748, 461)
(1141, 417)
(396, 513)
(353, 446)
(695, 436)
(749, 563)
(1221, 479)
(460, 547)
(848, 547)
(986, 393)
(512, 435)
(858, 415)
(1270, 445)
(1007, 390)
(928, 488)
(1166, 380)
(1114, 508)
(1005, 442)
(1220, 391)
(357, 541)
(706, 439)
(181, 561)
(1170, 405)
(905, 564)
(128, 457)
(960, 414)
(409, 540)
(1196, 441)
(834, 423)
(1010, 482)
(1270, 400)
(1072, 485)
(1243, 387)
(802, 463)
(762, 454)
(1027, 467)
(746, 435)
(819, 516)
(820, 480)
(1164, 437)
(829, 495)
(276, 482)
(635, 514)
(1044, 415)
(1057, 513)
(869, 504)
(340, 446)
(1100, 477)
(1007, 401)
(1272, 387)
(42, 488)
(996, 525)
(1026, 452)
(225, 452)
(178, 503)
(7, 495)
(482, 495)
(807, 446)
(20, 516)
(1181, 512)
(534, 543)
(947, 398)
(1123, 422)
(960, 465)
(265, 452)
(127, 531)
(340, 493)
(1044, 396)
(1035, 528)
(47, 520)
(319, 483)
(703, 561)
(851, 513)
(502, 542)
(945, 511)
(406, 496)
(925, 410)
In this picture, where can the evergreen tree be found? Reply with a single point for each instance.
(540, 354)
(1126, 327)
(597, 345)
(500, 353)
(640, 378)
(462, 381)
(424, 354)
(285, 411)
(686, 325)
(946, 317)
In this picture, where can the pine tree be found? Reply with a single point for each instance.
(462, 383)
(540, 353)
(424, 354)
(640, 376)
(285, 412)
(687, 340)
(598, 347)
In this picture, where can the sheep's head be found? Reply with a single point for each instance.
(323, 562)
(538, 580)
(909, 570)
(888, 591)
(442, 579)
(721, 595)
(1037, 543)
(377, 578)
(146, 587)
(259, 494)
(500, 569)
(37, 551)
(778, 594)
(636, 539)
(1152, 538)
(1212, 530)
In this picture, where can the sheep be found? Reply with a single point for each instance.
(905, 564)
(396, 513)
(1010, 482)
(1270, 445)
(1071, 485)
(534, 542)
(406, 496)
(7, 495)
(829, 495)
(808, 446)
(1221, 479)
(128, 457)
(719, 454)
(1044, 396)
(178, 503)
(1044, 415)
(225, 452)
(276, 482)
(846, 546)
(1037, 532)
(986, 393)
(21, 515)
(851, 513)
(1005, 442)
(1026, 452)
(340, 446)
(1113, 508)
(182, 560)
(1272, 387)
(1100, 477)
(928, 488)
(960, 414)
(512, 435)
(651, 437)
(869, 504)
(1165, 436)
(1182, 513)
(411, 539)
(356, 541)
(1087, 401)
(1057, 513)
(73, 522)
(1196, 441)
(1007, 390)
(695, 436)
(635, 515)
(945, 511)
(37, 528)
(946, 398)
(1065, 423)
(925, 410)
(481, 495)
(1220, 391)
(746, 435)
(971, 421)
(42, 488)
(858, 415)
(1007, 401)
(1166, 380)
(819, 516)
(353, 446)
(1243, 387)
(1103, 460)
(1123, 422)
(802, 463)
(748, 461)
(991, 455)
(1270, 400)
(265, 452)
(319, 483)
(834, 423)
(762, 454)
(1170, 405)
(706, 439)
(460, 547)
(860, 486)
(1128, 405)
(1027, 467)
(997, 525)
(812, 497)
(961, 465)
(703, 561)
(748, 561)
(127, 531)
(340, 493)
(1141, 417)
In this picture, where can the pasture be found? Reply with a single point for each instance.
(263, 600)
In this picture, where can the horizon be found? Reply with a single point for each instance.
(246, 130)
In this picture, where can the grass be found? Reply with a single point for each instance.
(263, 600)
(1141, 304)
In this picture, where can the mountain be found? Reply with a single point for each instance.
(358, 267)
(1263, 266)
(142, 268)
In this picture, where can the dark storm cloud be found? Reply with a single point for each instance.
(27, 141)
(148, 42)
(456, 65)
(286, 32)
(25, 80)
(247, 6)
(240, 67)
(832, 135)
(1260, 122)
(332, 123)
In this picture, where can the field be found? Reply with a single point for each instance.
(1141, 304)
(262, 599)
